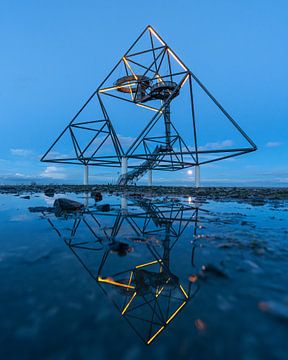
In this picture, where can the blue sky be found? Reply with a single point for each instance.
(54, 55)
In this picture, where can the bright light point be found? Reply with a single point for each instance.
(189, 172)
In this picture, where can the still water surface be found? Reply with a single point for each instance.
(162, 278)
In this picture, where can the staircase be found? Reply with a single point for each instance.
(140, 170)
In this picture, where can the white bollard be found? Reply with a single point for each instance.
(86, 176)
(150, 177)
(197, 176)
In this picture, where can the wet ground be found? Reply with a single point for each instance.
(166, 277)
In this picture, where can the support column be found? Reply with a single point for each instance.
(124, 165)
(150, 177)
(124, 203)
(86, 176)
(197, 176)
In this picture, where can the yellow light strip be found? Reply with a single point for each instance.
(149, 263)
(118, 87)
(159, 292)
(176, 312)
(184, 292)
(130, 278)
(177, 59)
(129, 302)
(186, 78)
(153, 337)
(112, 282)
(128, 65)
(157, 36)
(149, 108)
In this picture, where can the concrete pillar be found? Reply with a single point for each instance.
(197, 176)
(86, 199)
(124, 165)
(86, 176)
(124, 203)
(150, 177)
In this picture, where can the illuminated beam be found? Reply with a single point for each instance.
(184, 292)
(177, 59)
(117, 87)
(135, 77)
(149, 108)
(154, 336)
(147, 264)
(186, 78)
(159, 292)
(130, 278)
(128, 304)
(157, 36)
(128, 65)
(112, 282)
(176, 312)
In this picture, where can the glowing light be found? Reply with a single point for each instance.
(117, 87)
(147, 264)
(177, 59)
(128, 65)
(157, 36)
(200, 325)
(149, 108)
(189, 172)
(154, 336)
(112, 282)
(159, 292)
(130, 278)
(176, 312)
(184, 292)
(190, 200)
(129, 302)
(193, 278)
(186, 78)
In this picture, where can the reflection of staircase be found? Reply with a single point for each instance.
(140, 170)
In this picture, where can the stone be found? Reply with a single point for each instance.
(63, 204)
(96, 195)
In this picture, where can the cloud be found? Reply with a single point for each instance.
(53, 172)
(216, 145)
(20, 152)
(126, 140)
(273, 144)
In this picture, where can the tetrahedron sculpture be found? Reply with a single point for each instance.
(154, 80)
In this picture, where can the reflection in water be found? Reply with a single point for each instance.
(139, 281)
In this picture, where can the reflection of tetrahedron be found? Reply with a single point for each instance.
(88, 139)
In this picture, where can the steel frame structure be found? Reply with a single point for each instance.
(168, 151)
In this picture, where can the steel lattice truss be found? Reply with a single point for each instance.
(150, 77)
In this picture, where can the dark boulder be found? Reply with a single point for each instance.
(96, 195)
(63, 204)
(49, 192)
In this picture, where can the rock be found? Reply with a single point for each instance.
(104, 207)
(214, 270)
(49, 192)
(97, 196)
(63, 204)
